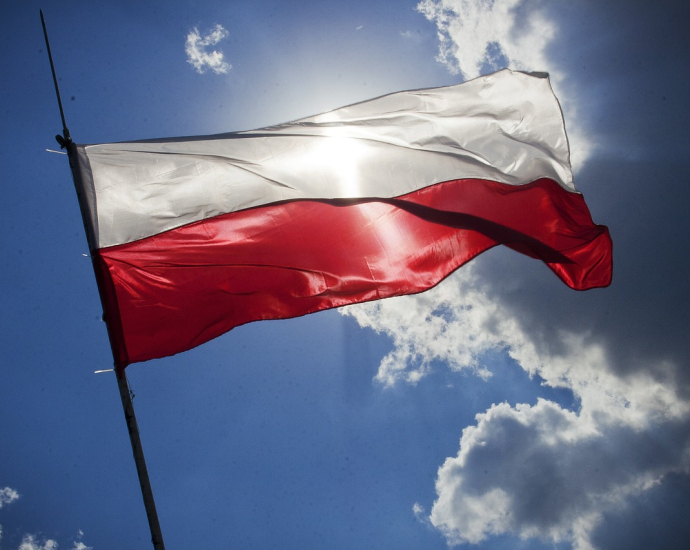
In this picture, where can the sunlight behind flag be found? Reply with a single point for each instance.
(339, 159)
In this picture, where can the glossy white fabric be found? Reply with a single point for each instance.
(506, 127)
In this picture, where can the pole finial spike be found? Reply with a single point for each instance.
(65, 139)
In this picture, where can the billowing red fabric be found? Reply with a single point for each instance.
(181, 288)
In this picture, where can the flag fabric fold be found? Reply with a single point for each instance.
(191, 237)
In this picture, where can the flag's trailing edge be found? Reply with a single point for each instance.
(191, 237)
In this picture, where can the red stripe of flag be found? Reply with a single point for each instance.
(181, 288)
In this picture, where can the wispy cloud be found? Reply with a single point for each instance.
(414, 37)
(198, 54)
(7, 496)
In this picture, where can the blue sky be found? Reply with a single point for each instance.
(499, 410)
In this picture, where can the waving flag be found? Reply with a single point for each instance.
(191, 237)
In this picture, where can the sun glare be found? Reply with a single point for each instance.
(339, 158)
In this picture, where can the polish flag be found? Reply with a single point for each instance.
(193, 236)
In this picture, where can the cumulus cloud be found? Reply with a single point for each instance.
(425, 327)
(460, 320)
(198, 54)
(8, 496)
(532, 470)
(542, 471)
(480, 36)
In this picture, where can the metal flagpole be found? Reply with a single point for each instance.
(138, 451)
(65, 142)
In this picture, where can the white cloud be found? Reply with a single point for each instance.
(198, 55)
(425, 328)
(461, 319)
(479, 36)
(29, 543)
(541, 470)
(7, 496)
(475, 33)
(78, 545)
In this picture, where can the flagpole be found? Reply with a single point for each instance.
(138, 451)
(65, 141)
